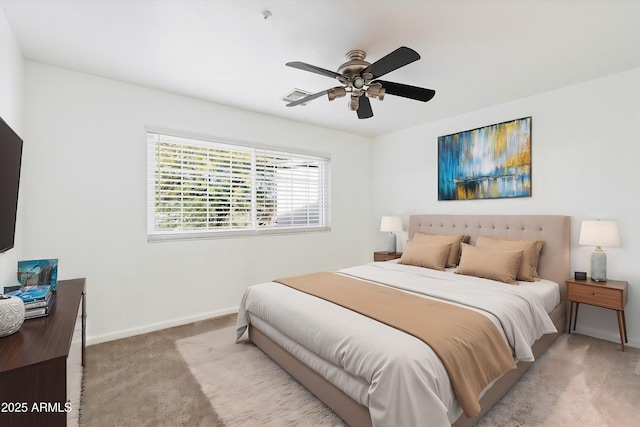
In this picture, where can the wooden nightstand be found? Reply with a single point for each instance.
(611, 294)
(386, 256)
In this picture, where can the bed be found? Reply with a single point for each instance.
(372, 374)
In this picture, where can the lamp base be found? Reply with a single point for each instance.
(392, 242)
(599, 266)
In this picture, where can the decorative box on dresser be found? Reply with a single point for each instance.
(41, 364)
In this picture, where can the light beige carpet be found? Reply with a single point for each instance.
(246, 388)
(197, 376)
(578, 381)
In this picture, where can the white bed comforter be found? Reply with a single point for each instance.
(397, 376)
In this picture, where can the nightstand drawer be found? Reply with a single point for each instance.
(386, 256)
(603, 297)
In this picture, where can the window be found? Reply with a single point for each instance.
(199, 188)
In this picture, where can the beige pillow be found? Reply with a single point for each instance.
(530, 253)
(425, 255)
(443, 239)
(490, 263)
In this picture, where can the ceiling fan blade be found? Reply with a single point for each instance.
(364, 108)
(396, 59)
(307, 98)
(407, 91)
(312, 68)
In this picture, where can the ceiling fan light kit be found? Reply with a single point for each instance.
(336, 92)
(358, 78)
(376, 91)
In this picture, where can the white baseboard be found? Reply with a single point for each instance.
(97, 339)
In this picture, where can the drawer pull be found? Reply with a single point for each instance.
(593, 293)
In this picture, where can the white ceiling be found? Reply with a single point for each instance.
(475, 53)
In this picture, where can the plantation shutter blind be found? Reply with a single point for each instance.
(295, 185)
(199, 187)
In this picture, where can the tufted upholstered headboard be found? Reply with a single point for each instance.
(554, 263)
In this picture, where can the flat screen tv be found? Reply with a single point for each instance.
(10, 162)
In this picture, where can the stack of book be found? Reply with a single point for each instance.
(38, 300)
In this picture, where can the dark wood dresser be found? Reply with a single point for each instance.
(34, 363)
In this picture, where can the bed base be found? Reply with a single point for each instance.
(357, 415)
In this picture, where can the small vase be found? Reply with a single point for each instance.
(11, 314)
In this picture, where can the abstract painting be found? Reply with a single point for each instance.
(490, 162)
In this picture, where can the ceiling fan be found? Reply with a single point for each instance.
(359, 79)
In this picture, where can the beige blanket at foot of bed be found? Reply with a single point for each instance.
(469, 345)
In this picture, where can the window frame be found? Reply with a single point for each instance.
(154, 235)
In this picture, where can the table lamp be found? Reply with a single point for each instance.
(599, 233)
(391, 224)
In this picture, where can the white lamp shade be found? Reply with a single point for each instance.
(599, 233)
(390, 223)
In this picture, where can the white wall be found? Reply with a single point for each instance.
(585, 162)
(11, 86)
(83, 200)
(85, 182)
